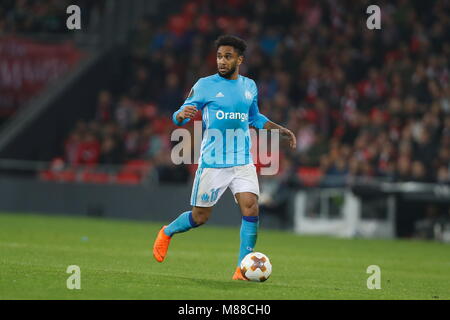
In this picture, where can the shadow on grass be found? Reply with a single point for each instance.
(225, 284)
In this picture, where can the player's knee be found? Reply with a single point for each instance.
(201, 219)
(250, 209)
(200, 216)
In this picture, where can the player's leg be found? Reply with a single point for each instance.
(188, 220)
(184, 222)
(201, 215)
(245, 188)
(248, 203)
(208, 186)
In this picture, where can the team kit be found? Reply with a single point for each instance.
(228, 102)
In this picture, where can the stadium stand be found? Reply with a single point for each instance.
(362, 103)
(369, 106)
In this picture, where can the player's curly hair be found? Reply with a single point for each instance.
(228, 40)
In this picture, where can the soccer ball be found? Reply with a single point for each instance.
(256, 266)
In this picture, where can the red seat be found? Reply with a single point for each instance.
(309, 176)
(47, 175)
(66, 176)
(128, 178)
(95, 177)
(140, 167)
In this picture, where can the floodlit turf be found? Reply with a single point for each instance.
(116, 263)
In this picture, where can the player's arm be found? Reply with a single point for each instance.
(256, 119)
(184, 114)
(191, 105)
(269, 125)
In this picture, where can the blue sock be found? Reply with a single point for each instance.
(183, 223)
(249, 233)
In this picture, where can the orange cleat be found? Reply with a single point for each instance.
(238, 275)
(161, 245)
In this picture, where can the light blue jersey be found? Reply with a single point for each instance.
(228, 108)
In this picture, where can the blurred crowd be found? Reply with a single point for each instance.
(362, 103)
(121, 131)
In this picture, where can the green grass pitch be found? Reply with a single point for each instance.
(116, 262)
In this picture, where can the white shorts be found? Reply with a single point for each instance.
(211, 183)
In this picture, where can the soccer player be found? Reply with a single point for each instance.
(229, 105)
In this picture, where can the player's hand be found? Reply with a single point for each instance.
(188, 112)
(290, 136)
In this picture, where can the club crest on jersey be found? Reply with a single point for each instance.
(248, 95)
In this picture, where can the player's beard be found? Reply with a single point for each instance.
(229, 73)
